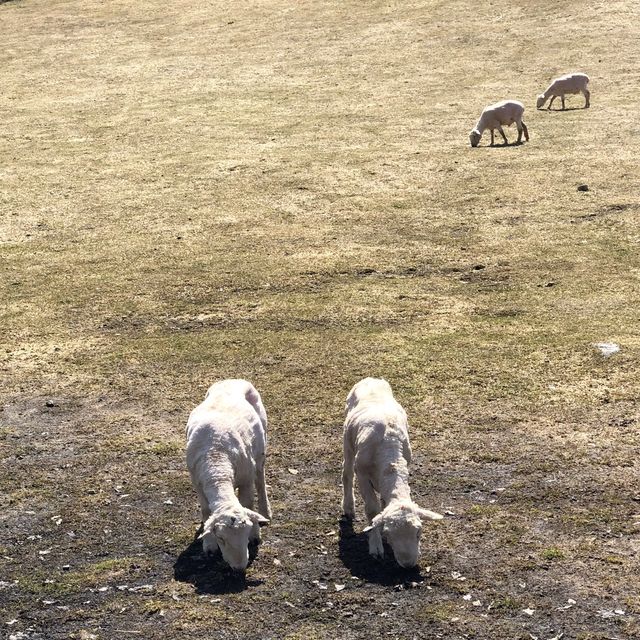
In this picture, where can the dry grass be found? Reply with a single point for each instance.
(285, 192)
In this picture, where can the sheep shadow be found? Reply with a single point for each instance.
(210, 574)
(508, 145)
(354, 554)
(561, 110)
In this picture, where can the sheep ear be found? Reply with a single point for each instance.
(258, 518)
(425, 514)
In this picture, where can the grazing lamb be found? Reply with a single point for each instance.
(376, 444)
(571, 83)
(494, 116)
(226, 449)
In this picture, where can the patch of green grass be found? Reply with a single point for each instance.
(506, 604)
(483, 510)
(309, 631)
(167, 448)
(437, 612)
(90, 576)
(552, 553)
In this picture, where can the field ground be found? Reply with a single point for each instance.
(285, 192)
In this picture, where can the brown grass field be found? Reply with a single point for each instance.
(284, 191)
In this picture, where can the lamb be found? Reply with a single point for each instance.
(226, 450)
(376, 445)
(494, 116)
(571, 83)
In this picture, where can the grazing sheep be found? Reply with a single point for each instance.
(376, 445)
(226, 449)
(494, 116)
(571, 83)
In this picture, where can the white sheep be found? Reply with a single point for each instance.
(226, 450)
(571, 83)
(376, 445)
(495, 116)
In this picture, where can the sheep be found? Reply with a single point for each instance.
(226, 450)
(571, 83)
(494, 116)
(376, 446)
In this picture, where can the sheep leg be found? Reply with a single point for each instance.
(371, 502)
(406, 451)
(371, 509)
(205, 512)
(562, 99)
(264, 508)
(209, 543)
(245, 494)
(376, 548)
(501, 132)
(551, 101)
(348, 502)
(492, 139)
(587, 95)
(526, 131)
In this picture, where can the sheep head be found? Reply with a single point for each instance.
(474, 137)
(400, 524)
(540, 101)
(233, 528)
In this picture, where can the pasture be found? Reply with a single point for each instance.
(285, 192)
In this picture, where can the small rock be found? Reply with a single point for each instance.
(293, 472)
(66, 567)
(529, 612)
(603, 613)
(583, 187)
(607, 348)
